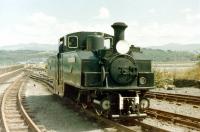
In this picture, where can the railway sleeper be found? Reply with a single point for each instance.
(10, 116)
(15, 121)
(176, 120)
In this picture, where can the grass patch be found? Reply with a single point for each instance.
(165, 78)
(191, 74)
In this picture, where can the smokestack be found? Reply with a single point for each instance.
(119, 28)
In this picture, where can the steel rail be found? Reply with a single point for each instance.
(147, 127)
(9, 96)
(188, 121)
(10, 68)
(111, 123)
(27, 118)
(7, 75)
(194, 100)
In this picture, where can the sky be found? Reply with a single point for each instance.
(150, 22)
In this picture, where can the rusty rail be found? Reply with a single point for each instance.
(12, 110)
(147, 127)
(10, 68)
(194, 100)
(190, 122)
(6, 76)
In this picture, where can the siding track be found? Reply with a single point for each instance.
(14, 116)
(194, 100)
(187, 121)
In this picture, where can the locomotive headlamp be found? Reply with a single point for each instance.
(144, 103)
(122, 47)
(142, 80)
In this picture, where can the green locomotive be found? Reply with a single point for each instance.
(102, 72)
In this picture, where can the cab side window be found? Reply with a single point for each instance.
(73, 42)
(108, 42)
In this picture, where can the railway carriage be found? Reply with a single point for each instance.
(102, 72)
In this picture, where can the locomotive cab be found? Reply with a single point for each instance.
(85, 41)
(102, 72)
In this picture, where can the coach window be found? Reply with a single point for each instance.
(108, 42)
(73, 42)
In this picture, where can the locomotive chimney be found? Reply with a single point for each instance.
(119, 28)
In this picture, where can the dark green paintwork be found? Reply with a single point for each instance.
(95, 42)
(82, 66)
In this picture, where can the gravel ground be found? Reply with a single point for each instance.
(167, 125)
(50, 112)
(188, 91)
(183, 109)
(179, 108)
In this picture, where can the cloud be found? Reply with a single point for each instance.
(156, 33)
(103, 13)
(41, 18)
(43, 28)
(152, 11)
(193, 18)
(38, 27)
(186, 11)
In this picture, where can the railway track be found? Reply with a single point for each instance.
(128, 125)
(10, 69)
(121, 126)
(187, 121)
(14, 116)
(4, 77)
(194, 100)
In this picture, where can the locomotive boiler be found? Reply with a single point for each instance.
(102, 72)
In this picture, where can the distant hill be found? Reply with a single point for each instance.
(35, 53)
(168, 55)
(24, 56)
(53, 47)
(31, 46)
(178, 47)
(29, 56)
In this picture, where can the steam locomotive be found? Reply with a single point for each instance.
(102, 72)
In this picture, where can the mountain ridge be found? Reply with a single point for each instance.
(195, 48)
(178, 47)
(30, 46)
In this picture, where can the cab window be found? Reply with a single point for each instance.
(108, 42)
(72, 41)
